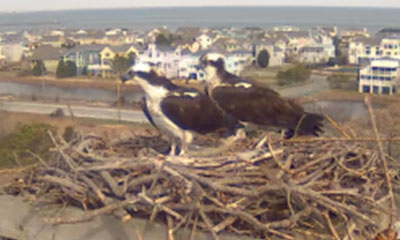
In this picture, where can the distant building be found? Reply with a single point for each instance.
(363, 49)
(286, 29)
(49, 55)
(380, 76)
(166, 58)
(12, 51)
(276, 54)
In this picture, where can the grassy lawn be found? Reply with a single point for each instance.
(264, 75)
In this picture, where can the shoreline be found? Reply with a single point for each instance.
(106, 84)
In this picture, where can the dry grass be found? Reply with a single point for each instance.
(264, 76)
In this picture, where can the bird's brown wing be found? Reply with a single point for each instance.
(258, 105)
(195, 111)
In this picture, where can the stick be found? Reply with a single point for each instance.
(90, 215)
(367, 100)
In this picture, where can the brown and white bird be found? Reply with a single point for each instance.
(176, 111)
(251, 103)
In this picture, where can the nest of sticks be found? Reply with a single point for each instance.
(310, 188)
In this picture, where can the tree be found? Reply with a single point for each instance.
(296, 74)
(39, 69)
(263, 59)
(66, 69)
(61, 71)
(71, 69)
(164, 39)
(121, 64)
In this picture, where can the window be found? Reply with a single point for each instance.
(366, 89)
(375, 78)
(375, 89)
(386, 90)
(381, 78)
(369, 77)
(368, 52)
(107, 62)
(388, 79)
(107, 54)
(390, 46)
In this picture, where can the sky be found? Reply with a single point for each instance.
(38, 5)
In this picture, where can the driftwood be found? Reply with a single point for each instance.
(268, 188)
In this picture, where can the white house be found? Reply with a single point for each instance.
(380, 76)
(12, 51)
(317, 53)
(189, 66)
(364, 49)
(166, 58)
(236, 61)
(205, 40)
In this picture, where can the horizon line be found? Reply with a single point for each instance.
(199, 6)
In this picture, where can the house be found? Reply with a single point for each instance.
(331, 31)
(12, 51)
(363, 49)
(228, 44)
(390, 47)
(347, 35)
(189, 66)
(380, 76)
(55, 41)
(315, 54)
(355, 32)
(49, 55)
(237, 61)
(166, 58)
(90, 60)
(188, 44)
(188, 33)
(286, 29)
(320, 50)
(206, 40)
(276, 54)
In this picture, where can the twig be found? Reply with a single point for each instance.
(90, 215)
(331, 227)
(367, 100)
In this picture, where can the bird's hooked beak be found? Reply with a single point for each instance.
(128, 78)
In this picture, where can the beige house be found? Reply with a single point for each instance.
(49, 55)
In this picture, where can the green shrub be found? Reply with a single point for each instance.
(296, 74)
(30, 137)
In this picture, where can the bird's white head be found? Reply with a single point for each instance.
(213, 63)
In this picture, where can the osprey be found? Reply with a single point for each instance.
(176, 111)
(252, 103)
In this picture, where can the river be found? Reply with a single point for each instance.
(65, 93)
(341, 111)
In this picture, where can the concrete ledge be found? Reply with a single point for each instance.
(22, 221)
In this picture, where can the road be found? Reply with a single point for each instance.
(78, 111)
(316, 84)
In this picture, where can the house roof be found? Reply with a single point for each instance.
(84, 48)
(373, 41)
(50, 39)
(312, 49)
(47, 52)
